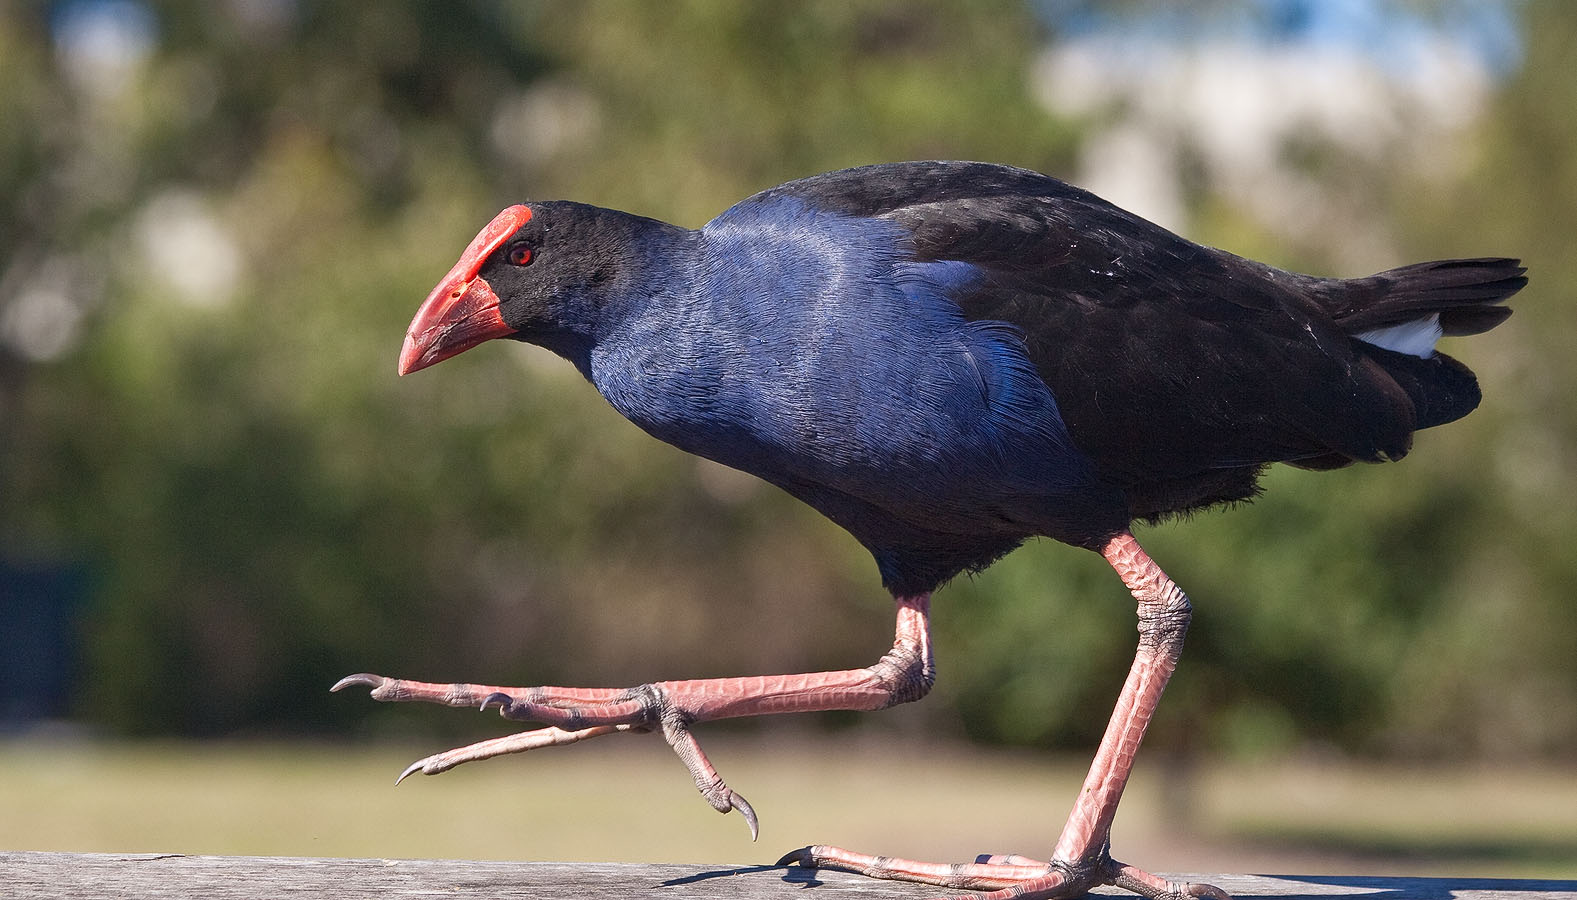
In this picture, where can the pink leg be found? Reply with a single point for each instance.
(1080, 859)
(905, 673)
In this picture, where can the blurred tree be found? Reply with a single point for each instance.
(216, 219)
(237, 214)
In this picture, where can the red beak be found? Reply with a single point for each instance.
(462, 311)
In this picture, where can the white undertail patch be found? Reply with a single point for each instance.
(1415, 338)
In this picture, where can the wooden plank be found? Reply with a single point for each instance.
(70, 876)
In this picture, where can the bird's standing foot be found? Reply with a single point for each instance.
(1009, 877)
(576, 714)
(1081, 859)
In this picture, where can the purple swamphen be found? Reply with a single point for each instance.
(948, 358)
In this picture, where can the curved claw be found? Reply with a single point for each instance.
(412, 769)
(804, 856)
(499, 697)
(365, 679)
(740, 803)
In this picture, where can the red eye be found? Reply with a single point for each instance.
(520, 255)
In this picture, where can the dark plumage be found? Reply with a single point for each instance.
(946, 359)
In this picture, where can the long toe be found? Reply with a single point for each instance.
(517, 702)
(502, 746)
(1132, 878)
(1006, 876)
(976, 876)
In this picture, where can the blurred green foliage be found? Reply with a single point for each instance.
(264, 507)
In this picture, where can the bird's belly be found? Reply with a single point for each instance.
(923, 451)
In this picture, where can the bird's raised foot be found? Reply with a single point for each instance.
(1007, 877)
(574, 715)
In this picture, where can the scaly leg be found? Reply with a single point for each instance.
(1081, 858)
(905, 673)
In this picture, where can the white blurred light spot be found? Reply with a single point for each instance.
(44, 320)
(1246, 109)
(102, 44)
(1072, 79)
(189, 249)
(1134, 167)
(543, 121)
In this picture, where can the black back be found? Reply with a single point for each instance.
(1180, 370)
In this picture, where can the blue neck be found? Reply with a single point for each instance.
(658, 275)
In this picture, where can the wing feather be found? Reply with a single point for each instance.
(1167, 359)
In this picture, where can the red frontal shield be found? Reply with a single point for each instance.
(462, 311)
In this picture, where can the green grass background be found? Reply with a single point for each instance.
(630, 800)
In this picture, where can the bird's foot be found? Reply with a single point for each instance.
(672, 707)
(1008, 877)
(572, 715)
(1081, 859)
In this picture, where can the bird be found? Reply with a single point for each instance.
(948, 359)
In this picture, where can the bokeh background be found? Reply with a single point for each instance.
(216, 498)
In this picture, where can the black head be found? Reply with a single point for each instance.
(542, 272)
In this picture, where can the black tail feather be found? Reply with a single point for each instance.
(1463, 292)
(1442, 389)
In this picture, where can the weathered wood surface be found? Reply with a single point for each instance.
(59, 876)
